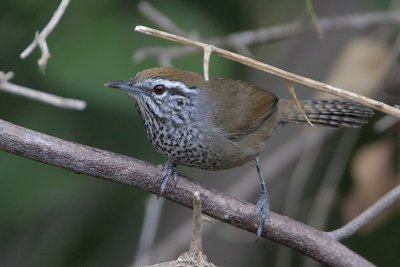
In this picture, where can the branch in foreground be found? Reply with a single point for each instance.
(117, 168)
(39, 96)
(40, 38)
(278, 32)
(274, 71)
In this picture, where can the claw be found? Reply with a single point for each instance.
(169, 169)
(262, 207)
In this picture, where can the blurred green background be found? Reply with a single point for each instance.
(52, 217)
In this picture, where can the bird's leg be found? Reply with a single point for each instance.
(169, 169)
(262, 206)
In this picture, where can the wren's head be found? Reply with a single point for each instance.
(169, 101)
(162, 93)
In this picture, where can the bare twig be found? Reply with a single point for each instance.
(206, 61)
(296, 101)
(40, 38)
(367, 216)
(275, 71)
(314, 18)
(39, 96)
(241, 40)
(121, 169)
(42, 62)
(196, 244)
(158, 18)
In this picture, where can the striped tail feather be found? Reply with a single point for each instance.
(326, 112)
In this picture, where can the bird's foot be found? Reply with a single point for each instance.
(262, 209)
(169, 169)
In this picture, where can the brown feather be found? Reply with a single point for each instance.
(256, 107)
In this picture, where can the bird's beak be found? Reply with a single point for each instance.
(123, 85)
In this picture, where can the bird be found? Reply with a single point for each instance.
(220, 123)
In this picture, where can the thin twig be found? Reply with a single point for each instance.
(314, 18)
(275, 33)
(296, 101)
(206, 61)
(158, 18)
(196, 244)
(50, 99)
(40, 38)
(367, 216)
(121, 169)
(275, 71)
(42, 62)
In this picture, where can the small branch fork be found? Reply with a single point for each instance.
(40, 41)
(40, 38)
(274, 71)
(39, 96)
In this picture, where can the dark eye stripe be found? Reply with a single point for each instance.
(176, 91)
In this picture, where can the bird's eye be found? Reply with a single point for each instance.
(159, 89)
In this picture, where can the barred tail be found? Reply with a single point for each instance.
(328, 113)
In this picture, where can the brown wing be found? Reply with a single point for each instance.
(243, 108)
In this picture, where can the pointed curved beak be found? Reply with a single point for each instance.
(127, 86)
(123, 85)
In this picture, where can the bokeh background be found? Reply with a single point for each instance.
(52, 217)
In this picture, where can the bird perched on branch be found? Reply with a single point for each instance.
(221, 123)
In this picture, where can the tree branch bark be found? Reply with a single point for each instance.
(121, 169)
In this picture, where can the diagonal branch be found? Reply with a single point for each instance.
(121, 169)
(367, 216)
(288, 76)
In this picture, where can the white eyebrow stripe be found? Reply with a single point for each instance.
(173, 84)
